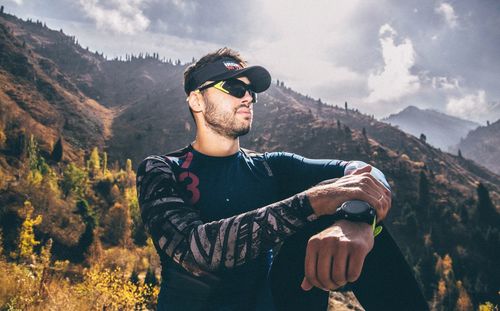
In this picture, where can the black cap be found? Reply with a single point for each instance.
(226, 68)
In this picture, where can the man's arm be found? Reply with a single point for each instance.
(199, 247)
(335, 255)
(296, 173)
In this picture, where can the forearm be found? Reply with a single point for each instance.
(229, 242)
(178, 231)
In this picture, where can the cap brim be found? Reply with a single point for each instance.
(259, 77)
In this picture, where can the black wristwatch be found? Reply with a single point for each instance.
(357, 211)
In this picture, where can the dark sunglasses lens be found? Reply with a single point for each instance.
(235, 88)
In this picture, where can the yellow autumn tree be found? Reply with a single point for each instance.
(487, 306)
(463, 302)
(27, 235)
(1, 245)
(94, 162)
(117, 225)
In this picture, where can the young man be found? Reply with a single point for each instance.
(218, 213)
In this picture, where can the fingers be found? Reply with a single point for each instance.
(336, 255)
(306, 285)
(338, 275)
(310, 264)
(325, 265)
(356, 260)
(375, 193)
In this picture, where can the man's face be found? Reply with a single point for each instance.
(228, 115)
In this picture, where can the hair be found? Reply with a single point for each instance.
(210, 58)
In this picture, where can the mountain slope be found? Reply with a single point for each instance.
(442, 130)
(483, 146)
(51, 87)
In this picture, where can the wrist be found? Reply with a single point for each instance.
(317, 202)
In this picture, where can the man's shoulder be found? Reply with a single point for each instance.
(167, 158)
(177, 153)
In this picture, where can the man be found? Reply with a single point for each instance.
(218, 213)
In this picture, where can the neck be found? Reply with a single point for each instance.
(215, 145)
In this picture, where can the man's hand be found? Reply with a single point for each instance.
(336, 255)
(327, 196)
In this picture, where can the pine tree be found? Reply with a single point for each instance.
(57, 152)
(27, 235)
(90, 220)
(423, 194)
(486, 210)
(74, 181)
(1, 246)
(150, 278)
(128, 166)
(423, 138)
(95, 251)
(134, 277)
(46, 253)
(95, 162)
(117, 226)
(104, 163)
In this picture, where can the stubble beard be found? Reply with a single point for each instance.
(225, 123)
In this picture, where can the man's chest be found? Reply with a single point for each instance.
(221, 190)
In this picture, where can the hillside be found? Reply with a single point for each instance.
(483, 146)
(441, 130)
(445, 207)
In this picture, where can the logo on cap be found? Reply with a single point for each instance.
(232, 65)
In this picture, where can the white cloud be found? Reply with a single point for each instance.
(118, 16)
(395, 80)
(448, 13)
(302, 56)
(445, 83)
(470, 106)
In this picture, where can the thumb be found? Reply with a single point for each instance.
(306, 285)
(364, 169)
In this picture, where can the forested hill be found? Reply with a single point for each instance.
(445, 212)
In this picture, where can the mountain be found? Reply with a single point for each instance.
(483, 146)
(441, 130)
(445, 213)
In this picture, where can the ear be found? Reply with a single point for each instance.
(196, 101)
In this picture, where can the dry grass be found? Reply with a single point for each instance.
(104, 286)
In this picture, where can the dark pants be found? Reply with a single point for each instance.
(386, 281)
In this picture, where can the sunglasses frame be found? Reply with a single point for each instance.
(219, 85)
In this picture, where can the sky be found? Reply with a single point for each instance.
(379, 56)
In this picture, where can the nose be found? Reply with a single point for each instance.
(248, 98)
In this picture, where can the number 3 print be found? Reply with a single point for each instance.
(192, 187)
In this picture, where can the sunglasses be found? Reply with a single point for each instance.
(233, 87)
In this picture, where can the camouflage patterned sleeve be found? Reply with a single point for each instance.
(176, 227)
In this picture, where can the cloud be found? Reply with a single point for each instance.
(305, 57)
(395, 80)
(445, 83)
(118, 16)
(448, 13)
(470, 106)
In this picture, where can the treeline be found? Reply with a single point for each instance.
(72, 233)
(449, 237)
(82, 208)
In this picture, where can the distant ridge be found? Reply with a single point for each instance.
(441, 130)
(483, 146)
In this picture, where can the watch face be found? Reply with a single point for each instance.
(356, 207)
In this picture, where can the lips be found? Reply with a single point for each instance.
(244, 111)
